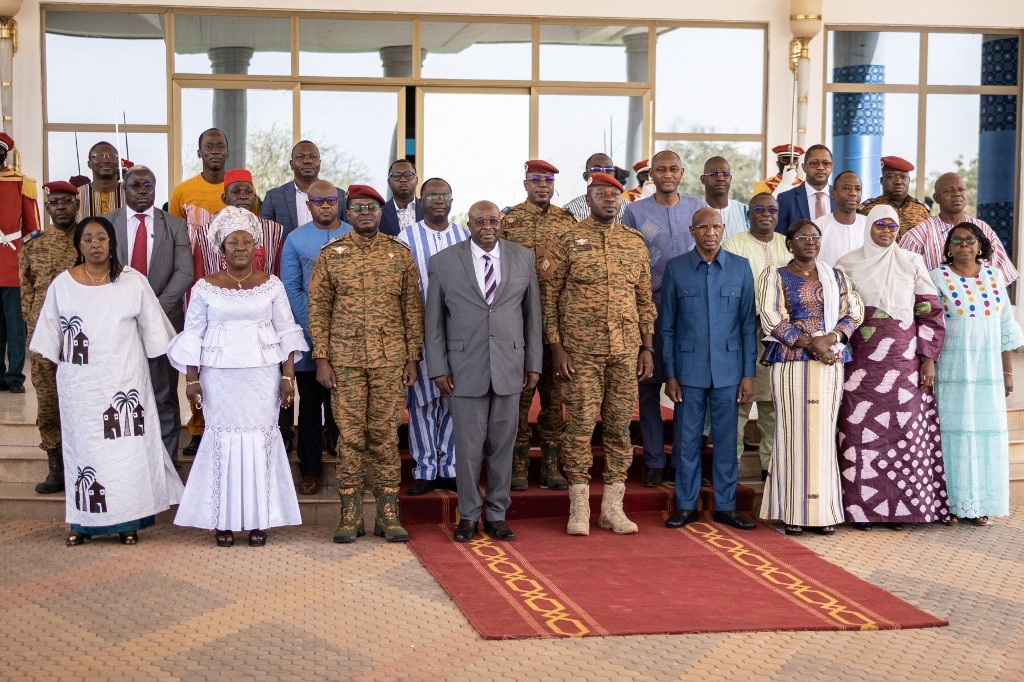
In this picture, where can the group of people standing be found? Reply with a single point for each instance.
(879, 375)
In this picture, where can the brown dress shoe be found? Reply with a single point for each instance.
(309, 485)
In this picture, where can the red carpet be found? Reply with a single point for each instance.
(704, 578)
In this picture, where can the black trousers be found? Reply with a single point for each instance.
(314, 401)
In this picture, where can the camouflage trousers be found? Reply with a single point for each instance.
(44, 379)
(549, 422)
(367, 405)
(602, 386)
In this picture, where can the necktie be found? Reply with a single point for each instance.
(819, 207)
(489, 284)
(140, 259)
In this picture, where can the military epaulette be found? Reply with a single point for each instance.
(330, 242)
(632, 230)
(25, 239)
(397, 241)
(506, 210)
(566, 212)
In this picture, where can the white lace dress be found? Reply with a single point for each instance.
(240, 479)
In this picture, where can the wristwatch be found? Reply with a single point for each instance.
(649, 349)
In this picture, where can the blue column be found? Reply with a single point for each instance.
(858, 119)
(997, 139)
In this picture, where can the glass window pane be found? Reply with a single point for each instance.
(867, 126)
(110, 39)
(615, 54)
(873, 57)
(479, 51)
(959, 153)
(607, 132)
(347, 158)
(499, 128)
(972, 59)
(148, 149)
(690, 95)
(744, 163)
(257, 123)
(232, 45)
(368, 49)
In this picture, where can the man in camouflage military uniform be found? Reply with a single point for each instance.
(534, 224)
(44, 255)
(366, 324)
(895, 193)
(599, 322)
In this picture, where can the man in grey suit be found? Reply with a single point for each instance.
(483, 348)
(156, 244)
(287, 204)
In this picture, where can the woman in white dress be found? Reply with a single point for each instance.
(239, 333)
(99, 323)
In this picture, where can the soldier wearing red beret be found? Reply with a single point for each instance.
(643, 175)
(895, 193)
(19, 215)
(787, 156)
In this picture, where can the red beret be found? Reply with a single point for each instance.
(364, 191)
(641, 166)
(538, 166)
(604, 179)
(60, 186)
(896, 163)
(785, 149)
(126, 164)
(6, 141)
(237, 175)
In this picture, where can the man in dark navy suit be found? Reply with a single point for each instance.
(402, 209)
(812, 199)
(287, 204)
(709, 334)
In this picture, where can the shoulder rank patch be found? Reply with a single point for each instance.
(506, 210)
(331, 242)
(397, 241)
(25, 239)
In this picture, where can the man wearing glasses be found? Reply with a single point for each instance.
(929, 238)
(717, 182)
(288, 204)
(597, 163)
(843, 229)
(812, 199)
(402, 209)
(366, 324)
(763, 248)
(534, 224)
(103, 193)
(431, 437)
(709, 327)
(301, 248)
(895, 193)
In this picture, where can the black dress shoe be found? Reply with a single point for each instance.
(446, 483)
(192, 447)
(652, 479)
(16, 387)
(682, 518)
(464, 533)
(498, 530)
(733, 518)
(421, 486)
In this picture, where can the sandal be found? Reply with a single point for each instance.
(129, 538)
(257, 538)
(75, 538)
(794, 530)
(225, 538)
(980, 521)
(824, 530)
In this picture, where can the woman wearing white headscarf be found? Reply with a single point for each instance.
(809, 311)
(239, 333)
(890, 449)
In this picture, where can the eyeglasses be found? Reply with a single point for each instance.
(817, 163)
(403, 174)
(99, 240)
(364, 208)
(61, 201)
(718, 174)
(963, 241)
(883, 225)
(430, 198)
(485, 222)
(102, 157)
(804, 238)
(704, 227)
(320, 201)
(136, 186)
(950, 191)
(537, 179)
(770, 210)
(602, 169)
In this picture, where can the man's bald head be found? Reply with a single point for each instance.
(706, 215)
(484, 220)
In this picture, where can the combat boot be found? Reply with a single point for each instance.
(612, 516)
(579, 509)
(520, 467)
(54, 482)
(351, 525)
(388, 525)
(550, 477)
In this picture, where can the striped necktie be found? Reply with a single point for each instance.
(489, 284)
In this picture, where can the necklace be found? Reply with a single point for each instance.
(239, 281)
(805, 273)
(93, 279)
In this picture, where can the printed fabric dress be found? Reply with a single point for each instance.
(890, 449)
(969, 389)
(241, 479)
(117, 473)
